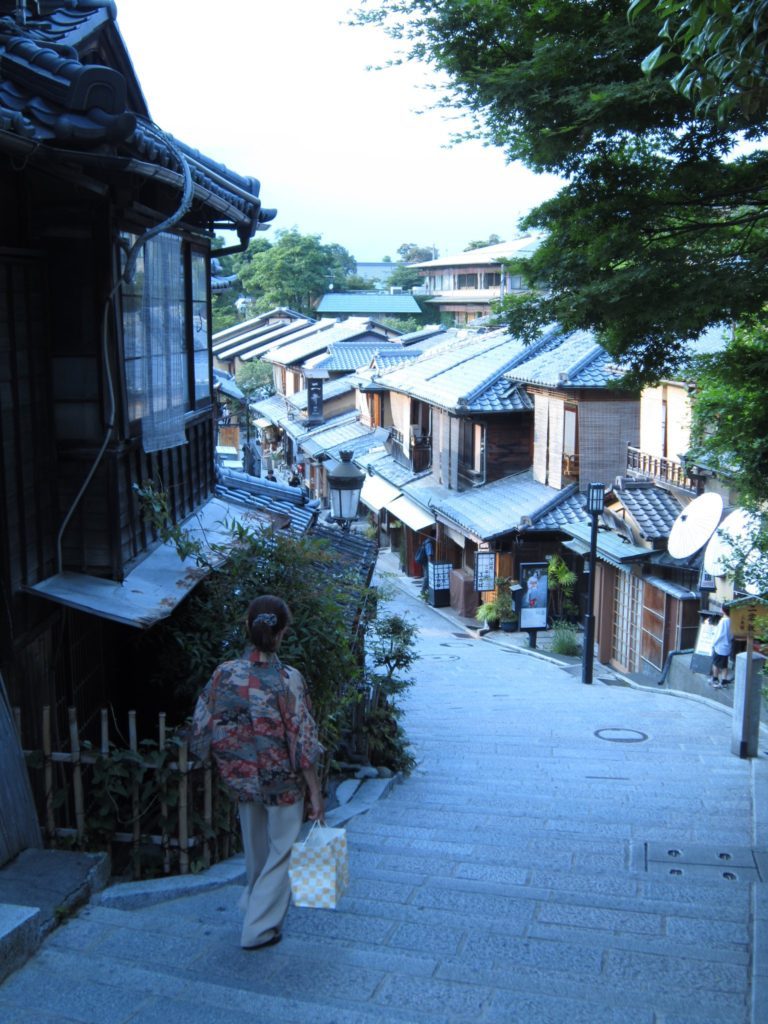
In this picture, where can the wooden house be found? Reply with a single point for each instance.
(106, 225)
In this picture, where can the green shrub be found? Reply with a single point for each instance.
(565, 639)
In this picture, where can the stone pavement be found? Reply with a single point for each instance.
(521, 875)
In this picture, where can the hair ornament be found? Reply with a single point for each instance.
(265, 618)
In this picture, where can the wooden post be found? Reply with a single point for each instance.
(50, 821)
(183, 819)
(165, 837)
(135, 813)
(77, 774)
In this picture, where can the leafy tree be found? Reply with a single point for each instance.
(254, 379)
(404, 324)
(295, 271)
(409, 252)
(659, 231)
(491, 240)
(405, 277)
(729, 428)
(716, 53)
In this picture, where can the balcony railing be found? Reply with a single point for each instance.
(420, 453)
(654, 467)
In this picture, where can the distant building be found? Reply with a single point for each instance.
(464, 286)
(376, 273)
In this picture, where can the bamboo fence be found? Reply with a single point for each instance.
(66, 793)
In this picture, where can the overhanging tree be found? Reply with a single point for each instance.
(659, 230)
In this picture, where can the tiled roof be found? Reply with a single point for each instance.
(279, 503)
(560, 360)
(250, 332)
(385, 466)
(457, 372)
(395, 355)
(653, 509)
(49, 98)
(517, 502)
(364, 303)
(567, 509)
(501, 396)
(351, 356)
(486, 254)
(343, 433)
(322, 337)
(414, 337)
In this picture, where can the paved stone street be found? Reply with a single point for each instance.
(521, 875)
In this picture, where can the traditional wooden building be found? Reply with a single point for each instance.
(106, 224)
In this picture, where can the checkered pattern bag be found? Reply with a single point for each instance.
(319, 868)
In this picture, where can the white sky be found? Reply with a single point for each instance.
(278, 89)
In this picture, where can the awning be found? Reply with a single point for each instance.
(412, 515)
(611, 547)
(262, 423)
(576, 546)
(377, 492)
(152, 590)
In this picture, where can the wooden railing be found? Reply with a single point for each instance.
(642, 464)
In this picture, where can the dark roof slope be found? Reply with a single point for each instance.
(69, 99)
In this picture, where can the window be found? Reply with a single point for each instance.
(166, 334)
(466, 280)
(491, 280)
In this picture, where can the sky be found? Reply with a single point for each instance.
(280, 90)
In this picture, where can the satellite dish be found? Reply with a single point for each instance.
(736, 529)
(695, 525)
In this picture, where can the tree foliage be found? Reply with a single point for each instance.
(714, 52)
(659, 229)
(729, 429)
(479, 244)
(294, 271)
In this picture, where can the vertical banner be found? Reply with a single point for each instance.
(485, 570)
(535, 597)
(315, 400)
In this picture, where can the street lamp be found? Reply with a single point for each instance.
(345, 481)
(595, 502)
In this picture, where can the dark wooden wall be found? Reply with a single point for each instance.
(508, 444)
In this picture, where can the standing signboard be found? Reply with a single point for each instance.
(535, 595)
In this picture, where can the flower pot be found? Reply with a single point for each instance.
(507, 627)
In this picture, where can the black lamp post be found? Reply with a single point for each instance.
(345, 481)
(595, 502)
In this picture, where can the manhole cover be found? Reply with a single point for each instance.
(685, 860)
(622, 735)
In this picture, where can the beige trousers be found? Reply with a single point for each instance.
(268, 835)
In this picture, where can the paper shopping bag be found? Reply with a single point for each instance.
(319, 868)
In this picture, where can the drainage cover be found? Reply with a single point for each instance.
(683, 860)
(622, 735)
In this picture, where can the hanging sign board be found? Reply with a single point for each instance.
(485, 570)
(533, 610)
(315, 400)
(743, 617)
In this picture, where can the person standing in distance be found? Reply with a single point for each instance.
(255, 718)
(722, 645)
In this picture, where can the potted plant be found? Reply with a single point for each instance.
(499, 613)
(505, 603)
(487, 615)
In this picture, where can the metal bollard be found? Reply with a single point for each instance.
(746, 705)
